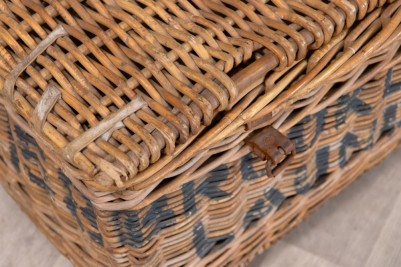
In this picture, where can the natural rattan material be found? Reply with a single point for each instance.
(172, 60)
(123, 122)
(220, 218)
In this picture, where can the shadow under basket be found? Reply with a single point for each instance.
(190, 133)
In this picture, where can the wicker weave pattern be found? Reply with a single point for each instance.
(336, 69)
(227, 215)
(171, 57)
(106, 129)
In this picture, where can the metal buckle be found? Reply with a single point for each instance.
(272, 146)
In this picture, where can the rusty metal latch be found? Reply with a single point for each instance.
(272, 146)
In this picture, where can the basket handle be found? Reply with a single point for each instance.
(9, 82)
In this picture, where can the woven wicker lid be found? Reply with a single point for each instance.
(116, 90)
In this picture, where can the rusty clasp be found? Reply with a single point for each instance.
(272, 146)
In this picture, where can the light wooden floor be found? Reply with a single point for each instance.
(360, 227)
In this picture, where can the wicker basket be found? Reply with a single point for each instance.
(177, 132)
